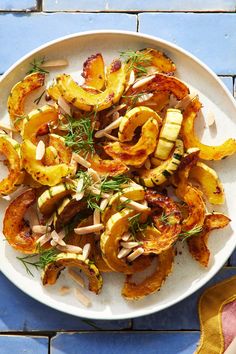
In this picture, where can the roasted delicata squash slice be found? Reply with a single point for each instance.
(10, 148)
(197, 244)
(64, 152)
(135, 193)
(116, 226)
(36, 119)
(167, 224)
(153, 283)
(66, 211)
(156, 102)
(158, 60)
(169, 133)
(53, 270)
(87, 101)
(133, 119)
(135, 155)
(93, 72)
(18, 94)
(207, 152)
(50, 157)
(209, 182)
(107, 167)
(49, 199)
(46, 175)
(16, 230)
(161, 173)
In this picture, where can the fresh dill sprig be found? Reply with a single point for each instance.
(80, 135)
(167, 219)
(136, 60)
(133, 99)
(38, 99)
(136, 226)
(193, 232)
(123, 205)
(114, 184)
(45, 257)
(87, 179)
(36, 67)
(20, 118)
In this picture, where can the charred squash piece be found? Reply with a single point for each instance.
(53, 270)
(197, 244)
(16, 230)
(88, 101)
(157, 102)
(191, 140)
(18, 94)
(135, 155)
(36, 119)
(10, 148)
(159, 60)
(107, 167)
(64, 152)
(46, 175)
(153, 283)
(93, 72)
(167, 224)
(117, 225)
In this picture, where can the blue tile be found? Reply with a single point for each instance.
(125, 343)
(232, 259)
(228, 81)
(31, 315)
(25, 32)
(23, 345)
(182, 316)
(10, 5)
(211, 37)
(134, 5)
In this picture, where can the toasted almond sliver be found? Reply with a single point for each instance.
(209, 119)
(131, 78)
(6, 127)
(54, 63)
(80, 185)
(88, 229)
(116, 109)
(41, 229)
(142, 82)
(76, 277)
(70, 248)
(103, 204)
(64, 290)
(126, 236)
(145, 97)
(124, 252)
(96, 216)
(53, 243)
(82, 298)
(79, 196)
(81, 160)
(129, 244)
(86, 250)
(64, 105)
(95, 176)
(96, 191)
(138, 252)
(40, 150)
(109, 128)
(134, 205)
(44, 239)
(147, 164)
(56, 238)
(111, 137)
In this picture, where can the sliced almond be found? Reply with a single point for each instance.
(40, 150)
(129, 244)
(116, 109)
(70, 248)
(124, 252)
(82, 298)
(145, 97)
(110, 137)
(54, 63)
(96, 216)
(76, 277)
(41, 229)
(131, 78)
(95, 176)
(88, 229)
(126, 236)
(109, 128)
(135, 254)
(209, 119)
(43, 239)
(64, 290)
(147, 164)
(64, 105)
(53, 243)
(81, 160)
(103, 204)
(79, 192)
(56, 238)
(115, 116)
(86, 250)
(143, 81)
(96, 191)
(134, 205)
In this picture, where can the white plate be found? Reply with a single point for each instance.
(187, 276)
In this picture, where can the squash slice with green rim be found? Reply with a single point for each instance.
(10, 148)
(135, 155)
(18, 94)
(153, 283)
(94, 72)
(62, 260)
(16, 230)
(209, 182)
(88, 101)
(48, 200)
(207, 152)
(135, 193)
(46, 175)
(36, 119)
(197, 244)
(161, 173)
(116, 226)
(133, 119)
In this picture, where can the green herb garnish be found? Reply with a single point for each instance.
(38, 99)
(137, 60)
(193, 232)
(36, 67)
(135, 226)
(20, 118)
